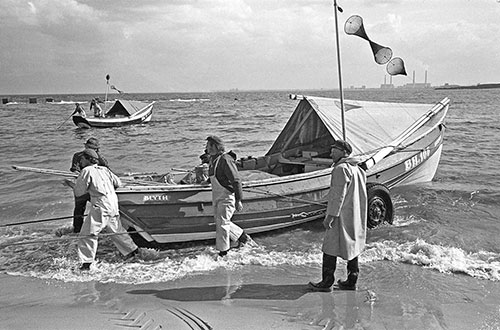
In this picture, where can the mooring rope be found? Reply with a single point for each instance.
(36, 221)
(69, 238)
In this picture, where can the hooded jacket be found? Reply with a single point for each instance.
(347, 199)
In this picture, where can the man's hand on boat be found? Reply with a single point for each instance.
(69, 182)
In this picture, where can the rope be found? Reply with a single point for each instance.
(265, 192)
(307, 214)
(36, 221)
(70, 238)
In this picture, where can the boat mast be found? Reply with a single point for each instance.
(335, 8)
(107, 89)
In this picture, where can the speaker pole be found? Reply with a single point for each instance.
(336, 7)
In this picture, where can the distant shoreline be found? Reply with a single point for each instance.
(478, 86)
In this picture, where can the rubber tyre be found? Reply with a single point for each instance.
(380, 207)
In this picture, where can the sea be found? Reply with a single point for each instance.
(445, 239)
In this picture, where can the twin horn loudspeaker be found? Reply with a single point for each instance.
(382, 54)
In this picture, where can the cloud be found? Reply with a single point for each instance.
(156, 45)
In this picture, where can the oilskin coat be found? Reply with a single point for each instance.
(100, 183)
(347, 199)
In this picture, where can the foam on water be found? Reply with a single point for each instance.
(482, 264)
(58, 261)
(189, 100)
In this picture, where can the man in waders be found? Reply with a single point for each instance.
(100, 183)
(345, 220)
(226, 196)
(81, 201)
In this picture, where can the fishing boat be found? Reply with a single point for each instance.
(397, 143)
(122, 113)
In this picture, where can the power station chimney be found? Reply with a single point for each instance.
(426, 77)
(413, 77)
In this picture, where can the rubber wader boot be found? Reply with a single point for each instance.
(328, 275)
(79, 211)
(85, 266)
(244, 238)
(352, 276)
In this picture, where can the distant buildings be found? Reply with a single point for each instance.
(414, 84)
(386, 85)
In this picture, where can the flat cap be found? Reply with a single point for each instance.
(343, 145)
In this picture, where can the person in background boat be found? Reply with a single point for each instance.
(79, 111)
(100, 183)
(345, 220)
(227, 194)
(81, 201)
(94, 104)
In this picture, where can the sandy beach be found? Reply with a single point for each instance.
(227, 299)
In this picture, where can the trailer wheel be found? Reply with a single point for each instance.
(380, 207)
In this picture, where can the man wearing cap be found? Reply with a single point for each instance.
(94, 104)
(345, 219)
(81, 202)
(227, 194)
(100, 183)
(79, 111)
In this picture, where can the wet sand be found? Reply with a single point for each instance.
(222, 300)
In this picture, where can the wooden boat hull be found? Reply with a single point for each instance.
(142, 116)
(167, 214)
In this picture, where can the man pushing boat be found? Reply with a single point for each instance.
(100, 183)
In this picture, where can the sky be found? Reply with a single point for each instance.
(69, 46)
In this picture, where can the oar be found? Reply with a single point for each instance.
(74, 175)
(45, 171)
(181, 170)
(379, 155)
(35, 221)
(65, 121)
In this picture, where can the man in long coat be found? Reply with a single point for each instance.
(345, 220)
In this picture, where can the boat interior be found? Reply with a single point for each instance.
(301, 159)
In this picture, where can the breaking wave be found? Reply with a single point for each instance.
(59, 261)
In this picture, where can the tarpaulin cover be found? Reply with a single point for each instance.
(369, 125)
(125, 108)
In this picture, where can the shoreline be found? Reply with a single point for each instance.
(231, 299)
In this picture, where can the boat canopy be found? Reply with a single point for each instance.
(370, 126)
(125, 108)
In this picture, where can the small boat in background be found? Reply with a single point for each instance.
(122, 113)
